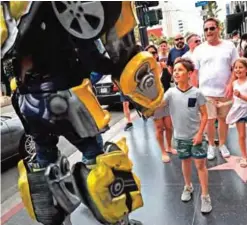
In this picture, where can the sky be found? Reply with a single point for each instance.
(190, 14)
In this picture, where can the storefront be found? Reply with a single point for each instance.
(237, 17)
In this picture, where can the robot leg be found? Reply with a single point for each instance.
(36, 192)
(111, 190)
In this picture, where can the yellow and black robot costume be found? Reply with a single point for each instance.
(49, 50)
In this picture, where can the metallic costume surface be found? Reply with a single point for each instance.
(49, 50)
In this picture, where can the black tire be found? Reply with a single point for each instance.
(27, 146)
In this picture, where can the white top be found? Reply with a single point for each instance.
(188, 55)
(239, 107)
(214, 66)
(184, 107)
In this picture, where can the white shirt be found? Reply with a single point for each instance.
(239, 107)
(188, 55)
(214, 66)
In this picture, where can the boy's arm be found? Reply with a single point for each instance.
(166, 98)
(204, 118)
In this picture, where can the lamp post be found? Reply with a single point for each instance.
(142, 25)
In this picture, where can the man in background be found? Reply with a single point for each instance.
(180, 49)
(193, 40)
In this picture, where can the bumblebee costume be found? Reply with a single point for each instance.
(50, 49)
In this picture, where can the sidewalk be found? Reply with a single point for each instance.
(5, 101)
(162, 185)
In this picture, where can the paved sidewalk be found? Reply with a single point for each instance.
(162, 185)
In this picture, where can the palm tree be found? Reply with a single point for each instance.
(212, 9)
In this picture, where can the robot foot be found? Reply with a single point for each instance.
(134, 222)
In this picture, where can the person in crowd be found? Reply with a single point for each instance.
(213, 62)
(126, 111)
(162, 119)
(235, 38)
(188, 129)
(242, 47)
(180, 49)
(163, 52)
(193, 40)
(238, 112)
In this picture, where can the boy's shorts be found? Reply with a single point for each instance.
(186, 149)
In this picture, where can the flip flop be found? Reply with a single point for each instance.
(166, 158)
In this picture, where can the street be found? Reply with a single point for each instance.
(9, 170)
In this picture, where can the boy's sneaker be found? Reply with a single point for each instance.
(128, 126)
(206, 206)
(211, 152)
(186, 195)
(224, 151)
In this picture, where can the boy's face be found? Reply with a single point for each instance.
(180, 74)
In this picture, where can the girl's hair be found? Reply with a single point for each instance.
(151, 46)
(241, 60)
(186, 62)
(243, 38)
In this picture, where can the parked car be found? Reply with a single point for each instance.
(14, 141)
(107, 92)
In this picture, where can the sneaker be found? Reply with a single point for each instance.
(206, 206)
(243, 162)
(211, 152)
(187, 192)
(224, 151)
(128, 126)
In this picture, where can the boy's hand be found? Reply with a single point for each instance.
(237, 93)
(162, 104)
(197, 139)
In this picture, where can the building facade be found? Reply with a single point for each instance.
(236, 16)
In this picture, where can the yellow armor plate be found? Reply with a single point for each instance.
(13, 84)
(3, 27)
(141, 77)
(85, 93)
(127, 20)
(102, 176)
(23, 186)
(18, 8)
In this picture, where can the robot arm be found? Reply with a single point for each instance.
(58, 40)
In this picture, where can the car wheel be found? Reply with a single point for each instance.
(27, 146)
(87, 20)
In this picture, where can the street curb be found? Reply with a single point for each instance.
(12, 207)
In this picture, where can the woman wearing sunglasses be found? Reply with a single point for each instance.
(162, 117)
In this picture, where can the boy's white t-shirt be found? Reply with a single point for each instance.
(214, 66)
(239, 107)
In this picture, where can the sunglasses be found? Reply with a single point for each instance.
(209, 28)
(179, 39)
(197, 41)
